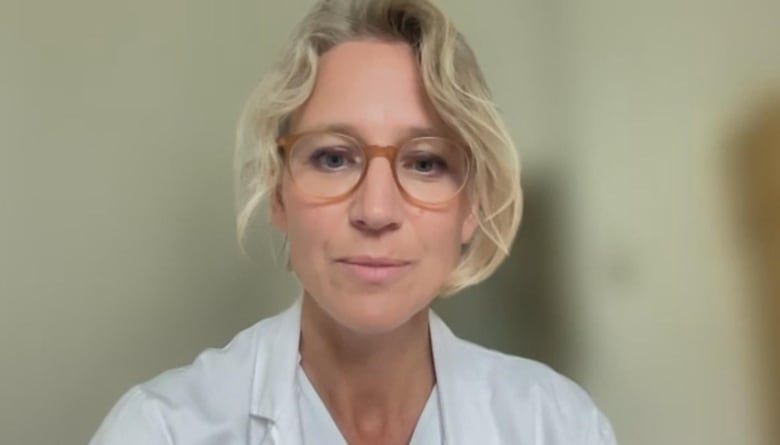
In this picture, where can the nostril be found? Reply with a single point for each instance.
(375, 215)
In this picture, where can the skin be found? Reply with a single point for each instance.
(365, 343)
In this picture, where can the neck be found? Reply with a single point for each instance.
(368, 382)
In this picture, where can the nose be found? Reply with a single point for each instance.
(376, 205)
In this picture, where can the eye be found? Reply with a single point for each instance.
(426, 164)
(332, 158)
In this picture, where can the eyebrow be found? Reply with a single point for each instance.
(351, 130)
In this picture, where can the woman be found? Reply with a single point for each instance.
(386, 166)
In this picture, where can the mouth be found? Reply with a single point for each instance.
(374, 269)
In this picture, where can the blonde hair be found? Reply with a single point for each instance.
(454, 84)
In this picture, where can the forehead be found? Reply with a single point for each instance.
(371, 86)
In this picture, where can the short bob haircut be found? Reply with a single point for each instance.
(453, 83)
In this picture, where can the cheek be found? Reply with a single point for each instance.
(310, 231)
(440, 235)
(307, 247)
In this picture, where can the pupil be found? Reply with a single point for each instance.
(334, 160)
(424, 165)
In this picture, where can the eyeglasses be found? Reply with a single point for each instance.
(329, 166)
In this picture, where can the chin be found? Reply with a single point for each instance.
(374, 313)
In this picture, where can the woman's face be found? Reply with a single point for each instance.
(372, 260)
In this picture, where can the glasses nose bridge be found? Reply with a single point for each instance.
(388, 152)
(375, 200)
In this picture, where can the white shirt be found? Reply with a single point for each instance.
(245, 394)
(318, 427)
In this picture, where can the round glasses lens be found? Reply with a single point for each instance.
(432, 170)
(325, 164)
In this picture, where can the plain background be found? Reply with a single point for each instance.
(118, 257)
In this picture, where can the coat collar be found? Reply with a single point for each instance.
(464, 396)
(273, 393)
(464, 392)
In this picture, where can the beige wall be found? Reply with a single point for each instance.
(117, 251)
(666, 317)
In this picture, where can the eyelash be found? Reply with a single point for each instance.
(319, 154)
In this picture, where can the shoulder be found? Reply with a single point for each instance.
(132, 420)
(530, 398)
(214, 390)
(520, 377)
(218, 377)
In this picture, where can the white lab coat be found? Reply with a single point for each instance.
(244, 394)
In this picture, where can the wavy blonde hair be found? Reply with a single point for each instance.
(454, 84)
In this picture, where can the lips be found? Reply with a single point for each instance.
(370, 261)
(374, 269)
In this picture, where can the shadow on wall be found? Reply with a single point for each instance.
(755, 157)
(519, 309)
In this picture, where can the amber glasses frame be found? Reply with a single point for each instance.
(286, 144)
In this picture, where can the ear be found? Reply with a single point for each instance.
(278, 212)
(470, 224)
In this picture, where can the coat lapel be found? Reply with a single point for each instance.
(273, 411)
(464, 395)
